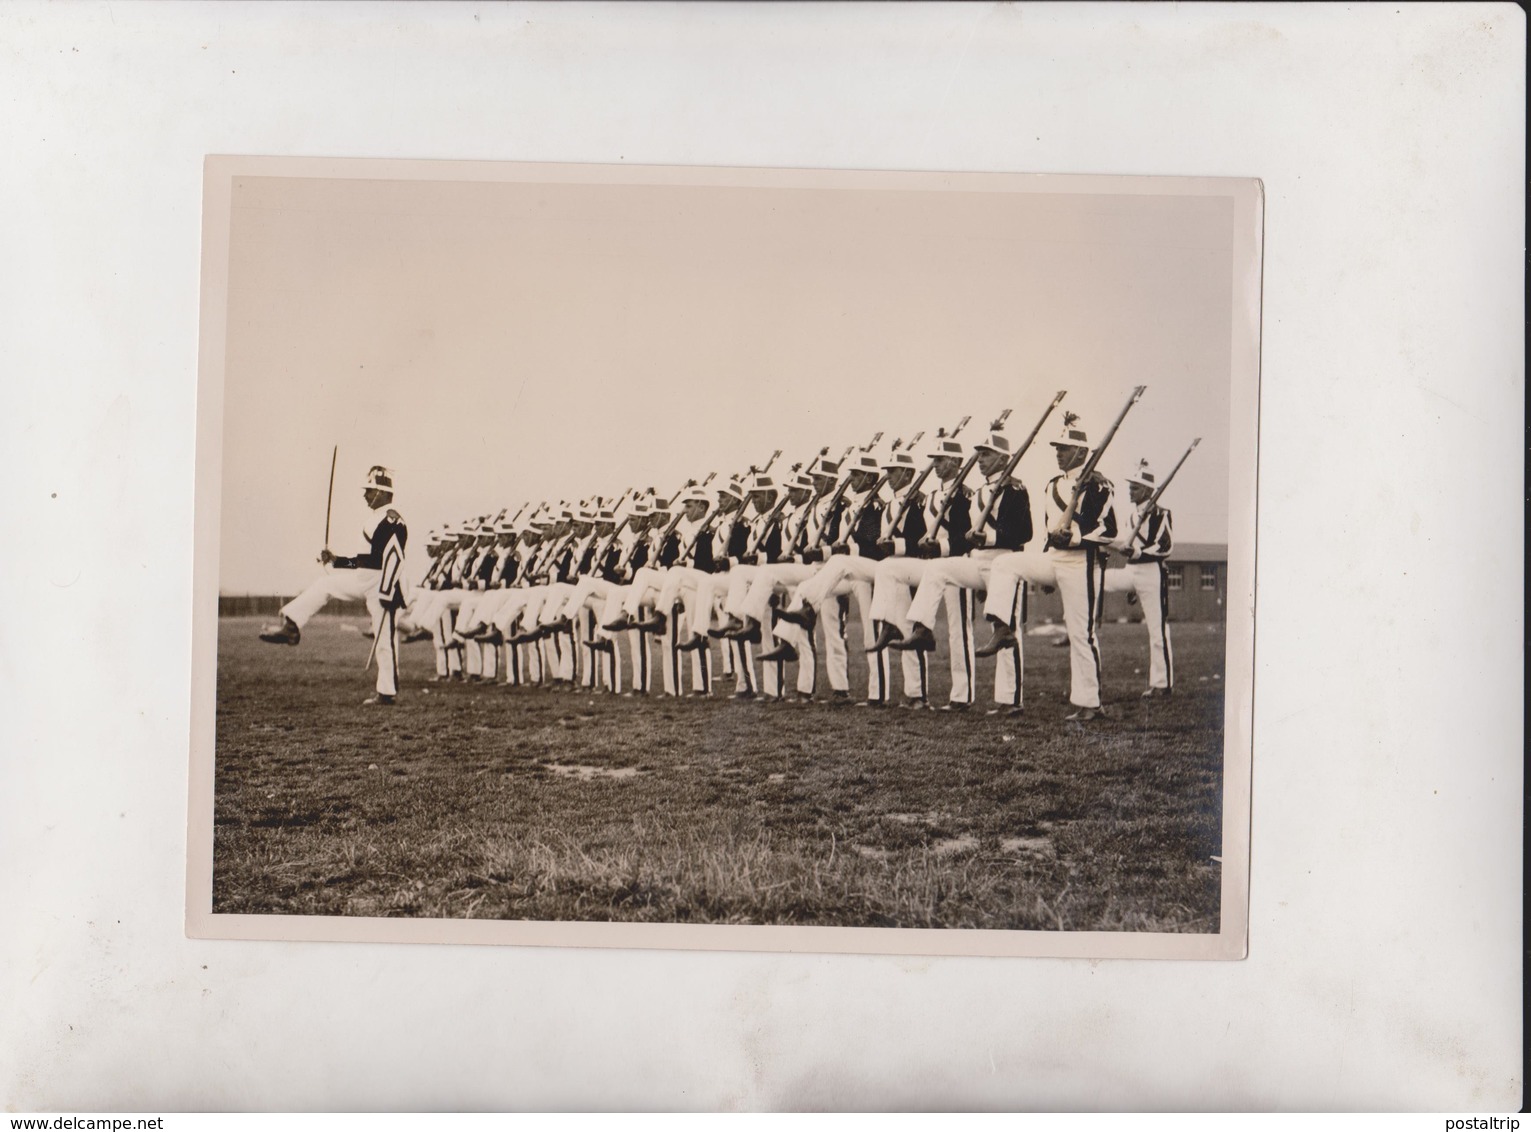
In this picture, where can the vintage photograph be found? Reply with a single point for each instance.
(745, 558)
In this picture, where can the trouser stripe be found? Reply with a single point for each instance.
(882, 672)
(672, 638)
(393, 649)
(1164, 624)
(967, 644)
(745, 668)
(1090, 592)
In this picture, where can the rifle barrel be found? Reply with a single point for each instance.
(1089, 465)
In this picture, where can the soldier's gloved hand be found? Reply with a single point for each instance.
(723, 565)
(1134, 555)
(325, 557)
(925, 548)
(1058, 540)
(886, 545)
(839, 548)
(749, 559)
(812, 556)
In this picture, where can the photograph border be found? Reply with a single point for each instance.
(1231, 940)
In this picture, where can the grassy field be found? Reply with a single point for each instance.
(469, 800)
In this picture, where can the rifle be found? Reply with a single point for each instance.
(554, 549)
(904, 502)
(771, 516)
(802, 521)
(702, 528)
(988, 511)
(845, 482)
(1153, 499)
(956, 484)
(529, 568)
(632, 547)
(433, 569)
(1089, 465)
(710, 522)
(852, 520)
(677, 513)
(474, 554)
(611, 539)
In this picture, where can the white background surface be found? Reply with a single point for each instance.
(1384, 968)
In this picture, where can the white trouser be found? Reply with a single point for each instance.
(470, 608)
(425, 613)
(589, 606)
(710, 589)
(775, 578)
(385, 635)
(555, 594)
(476, 659)
(896, 580)
(340, 585)
(677, 586)
(352, 585)
(1076, 573)
(610, 605)
(489, 606)
(438, 616)
(436, 603)
(682, 585)
(406, 617)
(741, 655)
(969, 574)
(557, 656)
(524, 603)
(739, 580)
(647, 583)
(782, 578)
(850, 575)
(1149, 580)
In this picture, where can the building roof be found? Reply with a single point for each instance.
(1199, 552)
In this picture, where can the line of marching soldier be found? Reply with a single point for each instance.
(753, 580)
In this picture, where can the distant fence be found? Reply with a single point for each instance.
(265, 605)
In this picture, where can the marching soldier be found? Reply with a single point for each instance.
(437, 549)
(374, 576)
(693, 559)
(503, 566)
(865, 533)
(764, 546)
(949, 518)
(730, 542)
(781, 576)
(1075, 547)
(475, 587)
(1146, 577)
(523, 663)
(1005, 500)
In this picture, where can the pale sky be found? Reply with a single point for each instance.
(497, 342)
